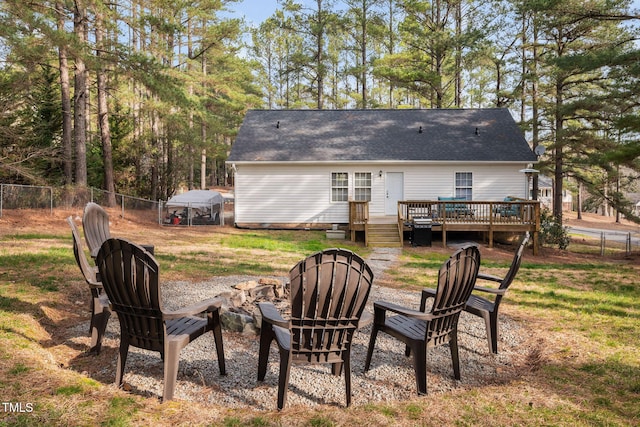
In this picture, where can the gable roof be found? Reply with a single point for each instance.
(484, 135)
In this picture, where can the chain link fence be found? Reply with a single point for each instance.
(604, 242)
(15, 196)
(615, 241)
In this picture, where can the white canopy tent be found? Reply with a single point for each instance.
(195, 207)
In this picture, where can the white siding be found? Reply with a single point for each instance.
(298, 194)
(301, 194)
(489, 182)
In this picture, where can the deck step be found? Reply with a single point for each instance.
(383, 235)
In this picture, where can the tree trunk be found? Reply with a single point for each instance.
(438, 58)
(203, 166)
(65, 97)
(559, 122)
(535, 128)
(157, 150)
(391, 49)
(203, 133)
(617, 191)
(458, 56)
(363, 34)
(579, 207)
(80, 99)
(523, 70)
(103, 113)
(320, 71)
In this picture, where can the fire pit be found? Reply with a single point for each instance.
(239, 306)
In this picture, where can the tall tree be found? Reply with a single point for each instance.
(315, 25)
(266, 51)
(364, 21)
(65, 97)
(80, 94)
(427, 65)
(275, 47)
(577, 54)
(103, 105)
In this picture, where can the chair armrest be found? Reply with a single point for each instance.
(491, 277)
(271, 314)
(208, 305)
(94, 281)
(425, 295)
(383, 306)
(96, 285)
(490, 290)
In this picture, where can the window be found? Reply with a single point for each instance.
(339, 187)
(464, 185)
(362, 186)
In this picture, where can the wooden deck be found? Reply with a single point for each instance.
(456, 216)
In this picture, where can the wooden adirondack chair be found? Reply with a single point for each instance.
(100, 310)
(130, 278)
(487, 308)
(439, 326)
(95, 224)
(329, 290)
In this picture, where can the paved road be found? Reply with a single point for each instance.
(610, 235)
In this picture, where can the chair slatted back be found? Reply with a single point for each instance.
(329, 290)
(130, 275)
(95, 223)
(515, 264)
(456, 280)
(88, 272)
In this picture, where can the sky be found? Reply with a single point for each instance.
(256, 11)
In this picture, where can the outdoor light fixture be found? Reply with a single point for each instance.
(529, 172)
(380, 174)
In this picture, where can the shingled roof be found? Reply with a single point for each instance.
(484, 135)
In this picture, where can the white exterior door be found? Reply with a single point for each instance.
(394, 192)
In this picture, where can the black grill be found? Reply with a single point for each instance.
(421, 233)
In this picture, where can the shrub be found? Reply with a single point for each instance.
(553, 232)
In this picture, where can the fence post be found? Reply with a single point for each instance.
(122, 203)
(602, 243)
(1, 194)
(628, 246)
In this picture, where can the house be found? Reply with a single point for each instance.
(300, 168)
(545, 194)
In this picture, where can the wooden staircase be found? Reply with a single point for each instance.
(383, 235)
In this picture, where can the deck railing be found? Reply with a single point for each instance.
(473, 212)
(358, 218)
(458, 215)
(465, 215)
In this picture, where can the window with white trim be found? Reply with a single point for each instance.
(464, 185)
(339, 187)
(362, 186)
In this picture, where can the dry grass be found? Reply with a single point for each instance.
(563, 380)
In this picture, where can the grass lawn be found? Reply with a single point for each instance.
(582, 311)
